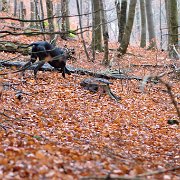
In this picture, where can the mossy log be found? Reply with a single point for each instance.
(14, 47)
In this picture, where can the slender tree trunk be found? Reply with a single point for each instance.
(150, 22)
(105, 35)
(67, 14)
(49, 7)
(32, 13)
(23, 12)
(121, 14)
(65, 19)
(42, 14)
(97, 32)
(63, 10)
(80, 23)
(143, 24)
(15, 7)
(58, 13)
(87, 11)
(172, 23)
(37, 14)
(128, 29)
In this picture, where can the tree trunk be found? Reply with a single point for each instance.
(65, 20)
(143, 24)
(80, 23)
(150, 22)
(105, 34)
(128, 29)
(96, 32)
(42, 16)
(67, 14)
(32, 14)
(23, 12)
(15, 7)
(37, 14)
(49, 7)
(121, 14)
(172, 21)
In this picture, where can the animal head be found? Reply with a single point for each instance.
(70, 52)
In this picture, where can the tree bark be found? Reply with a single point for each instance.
(49, 7)
(128, 29)
(65, 20)
(150, 22)
(172, 23)
(15, 7)
(143, 24)
(121, 14)
(105, 35)
(82, 37)
(32, 13)
(96, 32)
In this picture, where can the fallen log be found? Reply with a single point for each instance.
(99, 85)
(12, 47)
(81, 71)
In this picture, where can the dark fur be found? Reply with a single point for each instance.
(46, 52)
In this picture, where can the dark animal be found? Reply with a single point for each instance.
(46, 52)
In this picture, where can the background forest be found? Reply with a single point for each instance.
(116, 116)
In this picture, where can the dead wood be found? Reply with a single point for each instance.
(81, 71)
(99, 85)
(13, 47)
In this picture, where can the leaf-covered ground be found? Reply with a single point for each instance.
(53, 129)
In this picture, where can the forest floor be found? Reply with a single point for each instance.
(53, 129)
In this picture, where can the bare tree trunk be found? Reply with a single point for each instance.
(32, 14)
(128, 29)
(49, 7)
(58, 13)
(143, 24)
(150, 22)
(23, 12)
(37, 14)
(97, 32)
(63, 10)
(15, 7)
(87, 11)
(84, 44)
(67, 14)
(121, 14)
(172, 23)
(42, 15)
(105, 35)
(65, 19)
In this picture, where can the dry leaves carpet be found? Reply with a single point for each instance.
(53, 129)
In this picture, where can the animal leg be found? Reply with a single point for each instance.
(40, 64)
(27, 65)
(67, 71)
